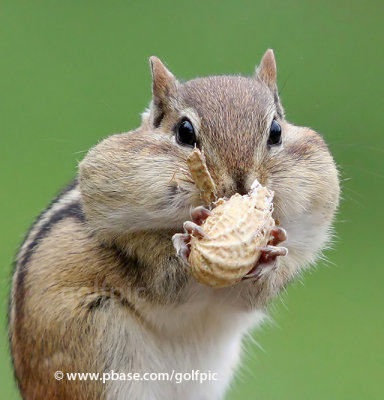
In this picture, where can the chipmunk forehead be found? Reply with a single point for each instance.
(227, 95)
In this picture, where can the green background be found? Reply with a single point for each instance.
(73, 72)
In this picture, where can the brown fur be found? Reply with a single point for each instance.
(105, 246)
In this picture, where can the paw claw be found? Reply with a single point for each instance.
(193, 229)
(181, 241)
(273, 251)
(200, 214)
(181, 245)
(278, 235)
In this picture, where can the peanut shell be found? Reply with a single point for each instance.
(234, 231)
(201, 176)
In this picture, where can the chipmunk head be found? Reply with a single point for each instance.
(139, 180)
(239, 123)
(235, 120)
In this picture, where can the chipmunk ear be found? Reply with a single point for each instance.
(164, 86)
(267, 71)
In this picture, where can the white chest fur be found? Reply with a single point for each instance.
(196, 341)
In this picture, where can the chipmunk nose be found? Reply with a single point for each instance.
(234, 184)
(240, 185)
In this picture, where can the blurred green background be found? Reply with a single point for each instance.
(73, 72)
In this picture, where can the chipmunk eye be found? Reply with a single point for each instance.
(185, 133)
(274, 134)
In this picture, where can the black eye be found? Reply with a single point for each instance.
(274, 134)
(185, 133)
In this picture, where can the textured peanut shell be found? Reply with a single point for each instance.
(234, 231)
(201, 176)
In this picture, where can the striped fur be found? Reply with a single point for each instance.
(97, 285)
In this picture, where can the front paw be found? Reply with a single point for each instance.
(268, 260)
(181, 241)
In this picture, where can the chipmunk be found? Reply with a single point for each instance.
(98, 284)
